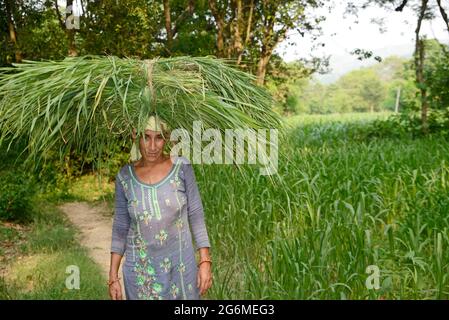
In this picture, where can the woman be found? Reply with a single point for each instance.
(156, 201)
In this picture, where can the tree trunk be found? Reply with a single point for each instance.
(419, 67)
(262, 66)
(70, 33)
(73, 52)
(422, 86)
(12, 31)
(168, 25)
(238, 46)
(219, 19)
(398, 96)
(248, 31)
(443, 14)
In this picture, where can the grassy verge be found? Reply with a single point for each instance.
(39, 254)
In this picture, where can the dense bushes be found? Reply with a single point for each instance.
(16, 192)
(407, 124)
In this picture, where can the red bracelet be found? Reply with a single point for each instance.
(112, 281)
(206, 260)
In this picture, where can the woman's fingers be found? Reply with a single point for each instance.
(119, 293)
(204, 282)
(208, 284)
(203, 285)
(115, 293)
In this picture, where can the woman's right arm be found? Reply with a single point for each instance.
(115, 289)
(120, 228)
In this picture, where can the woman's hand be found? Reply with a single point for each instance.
(115, 291)
(204, 278)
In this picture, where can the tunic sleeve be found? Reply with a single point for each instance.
(195, 209)
(121, 221)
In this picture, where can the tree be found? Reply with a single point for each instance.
(373, 92)
(10, 9)
(122, 28)
(69, 32)
(285, 82)
(424, 10)
(436, 71)
(249, 31)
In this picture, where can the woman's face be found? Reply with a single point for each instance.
(153, 146)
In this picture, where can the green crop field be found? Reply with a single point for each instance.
(347, 205)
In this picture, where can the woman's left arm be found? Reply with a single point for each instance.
(199, 230)
(195, 209)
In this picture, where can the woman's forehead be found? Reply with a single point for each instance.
(152, 132)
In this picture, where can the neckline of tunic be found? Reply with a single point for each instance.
(153, 185)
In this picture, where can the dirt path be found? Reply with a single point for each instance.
(95, 224)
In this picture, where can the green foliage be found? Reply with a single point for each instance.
(284, 81)
(407, 125)
(436, 73)
(375, 88)
(121, 28)
(16, 193)
(367, 89)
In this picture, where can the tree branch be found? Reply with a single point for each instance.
(401, 7)
(61, 23)
(443, 14)
(187, 11)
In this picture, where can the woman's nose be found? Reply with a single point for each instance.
(152, 144)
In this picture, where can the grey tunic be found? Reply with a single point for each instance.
(151, 228)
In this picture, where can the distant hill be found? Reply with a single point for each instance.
(342, 64)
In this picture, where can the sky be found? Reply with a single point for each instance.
(342, 35)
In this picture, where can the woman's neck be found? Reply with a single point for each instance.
(150, 164)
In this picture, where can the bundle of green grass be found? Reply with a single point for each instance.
(79, 103)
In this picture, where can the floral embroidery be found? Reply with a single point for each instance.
(147, 286)
(134, 203)
(157, 287)
(175, 183)
(150, 270)
(174, 290)
(181, 267)
(167, 202)
(166, 265)
(161, 236)
(179, 223)
(125, 185)
(146, 216)
(190, 287)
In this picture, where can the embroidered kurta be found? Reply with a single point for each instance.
(154, 227)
